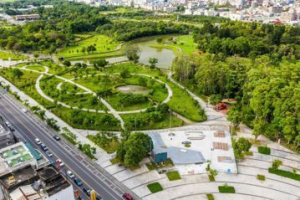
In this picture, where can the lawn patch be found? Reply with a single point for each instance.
(155, 187)
(114, 161)
(173, 176)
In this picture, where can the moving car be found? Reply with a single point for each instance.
(186, 142)
(70, 174)
(78, 182)
(57, 138)
(38, 141)
(49, 154)
(44, 147)
(127, 196)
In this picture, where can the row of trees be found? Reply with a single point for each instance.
(249, 39)
(268, 95)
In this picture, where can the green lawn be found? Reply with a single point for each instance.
(101, 42)
(173, 176)
(181, 102)
(4, 55)
(155, 187)
(131, 119)
(28, 78)
(36, 67)
(102, 121)
(109, 148)
(180, 44)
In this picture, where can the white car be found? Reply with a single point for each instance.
(7, 123)
(38, 141)
(24, 110)
(70, 174)
(60, 162)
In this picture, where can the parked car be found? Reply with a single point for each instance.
(87, 191)
(44, 147)
(78, 182)
(70, 174)
(60, 162)
(11, 128)
(186, 142)
(38, 141)
(49, 154)
(99, 198)
(7, 123)
(57, 138)
(127, 196)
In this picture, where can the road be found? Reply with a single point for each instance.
(30, 127)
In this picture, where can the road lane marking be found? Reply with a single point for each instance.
(83, 170)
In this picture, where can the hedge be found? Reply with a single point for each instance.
(226, 189)
(264, 150)
(286, 174)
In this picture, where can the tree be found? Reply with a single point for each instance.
(240, 146)
(100, 63)
(294, 170)
(234, 116)
(17, 73)
(153, 62)
(67, 63)
(213, 172)
(276, 164)
(132, 151)
(132, 53)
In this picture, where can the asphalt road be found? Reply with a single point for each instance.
(30, 127)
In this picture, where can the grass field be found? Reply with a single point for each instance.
(102, 44)
(8, 55)
(180, 44)
(155, 187)
(132, 119)
(39, 68)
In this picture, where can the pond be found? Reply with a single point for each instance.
(134, 89)
(164, 56)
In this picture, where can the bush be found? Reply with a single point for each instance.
(264, 150)
(286, 174)
(172, 176)
(155, 187)
(210, 197)
(71, 140)
(261, 177)
(211, 178)
(226, 189)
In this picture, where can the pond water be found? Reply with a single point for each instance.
(164, 56)
(134, 89)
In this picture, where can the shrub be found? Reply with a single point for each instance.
(211, 178)
(286, 174)
(210, 197)
(264, 150)
(261, 177)
(155, 187)
(226, 189)
(172, 176)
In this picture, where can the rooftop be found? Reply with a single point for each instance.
(15, 155)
